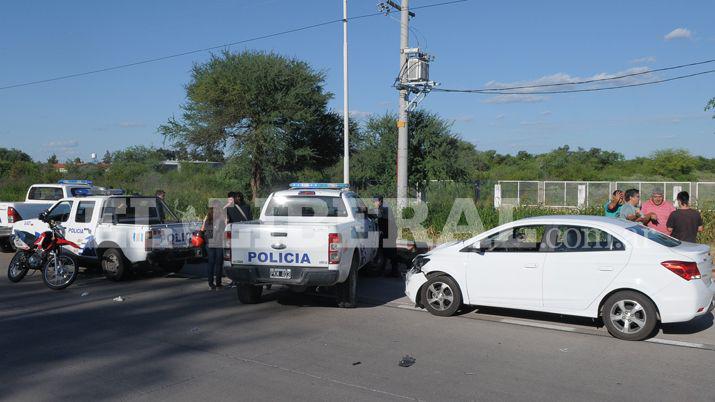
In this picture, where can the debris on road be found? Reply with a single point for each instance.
(407, 361)
(118, 299)
(564, 350)
(84, 294)
(356, 363)
(195, 330)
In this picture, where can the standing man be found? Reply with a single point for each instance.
(237, 210)
(685, 223)
(386, 222)
(658, 205)
(630, 212)
(612, 207)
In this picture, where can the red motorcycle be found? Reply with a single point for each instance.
(44, 252)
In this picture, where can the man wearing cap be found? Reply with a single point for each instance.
(661, 208)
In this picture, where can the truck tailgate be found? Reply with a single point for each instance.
(170, 236)
(281, 245)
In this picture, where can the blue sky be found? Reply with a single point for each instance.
(475, 44)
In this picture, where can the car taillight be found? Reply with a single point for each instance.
(227, 246)
(149, 237)
(334, 248)
(12, 215)
(685, 269)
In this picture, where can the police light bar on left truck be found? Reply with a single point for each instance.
(65, 181)
(333, 186)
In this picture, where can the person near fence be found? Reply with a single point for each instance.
(212, 230)
(685, 223)
(662, 208)
(630, 211)
(613, 206)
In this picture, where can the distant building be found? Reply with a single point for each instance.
(171, 165)
(60, 167)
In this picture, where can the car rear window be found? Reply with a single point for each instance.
(654, 235)
(306, 206)
(45, 193)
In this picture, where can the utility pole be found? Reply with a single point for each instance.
(346, 116)
(402, 139)
(413, 78)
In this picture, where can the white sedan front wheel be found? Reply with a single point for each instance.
(441, 296)
(629, 316)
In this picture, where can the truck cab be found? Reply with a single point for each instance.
(39, 197)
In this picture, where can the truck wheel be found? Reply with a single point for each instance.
(249, 294)
(172, 266)
(347, 291)
(114, 265)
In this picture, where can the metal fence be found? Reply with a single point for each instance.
(582, 194)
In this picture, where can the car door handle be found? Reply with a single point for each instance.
(605, 268)
(278, 246)
(530, 266)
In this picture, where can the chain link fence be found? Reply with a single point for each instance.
(584, 194)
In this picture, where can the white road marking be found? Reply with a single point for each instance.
(677, 343)
(538, 325)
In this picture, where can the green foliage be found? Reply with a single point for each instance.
(267, 109)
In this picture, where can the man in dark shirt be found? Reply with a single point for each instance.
(685, 223)
(388, 234)
(237, 210)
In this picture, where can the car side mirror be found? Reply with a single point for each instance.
(43, 215)
(474, 248)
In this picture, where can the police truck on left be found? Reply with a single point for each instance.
(121, 232)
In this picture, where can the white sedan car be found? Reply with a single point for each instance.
(630, 276)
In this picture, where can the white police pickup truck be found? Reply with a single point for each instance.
(121, 232)
(39, 197)
(315, 234)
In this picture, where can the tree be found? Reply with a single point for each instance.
(13, 155)
(676, 163)
(107, 158)
(52, 160)
(710, 105)
(268, 110)
(435, 153)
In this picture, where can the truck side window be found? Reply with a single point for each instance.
(61, 212)
(85, 209)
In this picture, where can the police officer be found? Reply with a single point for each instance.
(388, 235)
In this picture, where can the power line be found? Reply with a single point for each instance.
(575, 90)
(591, 80)
(206, 49)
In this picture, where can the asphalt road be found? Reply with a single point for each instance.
(173, 339)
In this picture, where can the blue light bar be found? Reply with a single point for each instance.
(82, 192)
(87, 182)
(334, 186)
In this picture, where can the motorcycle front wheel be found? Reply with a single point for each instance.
(58, 276)
(18, 268)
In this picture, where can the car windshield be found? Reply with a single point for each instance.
(321, 206)
(654, 235)
(137, 210)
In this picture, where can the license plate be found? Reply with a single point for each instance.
(280, 273)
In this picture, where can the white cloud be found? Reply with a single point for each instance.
(62, 144)
(643, 60)
(562, 80)
(359, 114)
(512, 98)
(463, 118)
(131, 124)
(679, 33)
